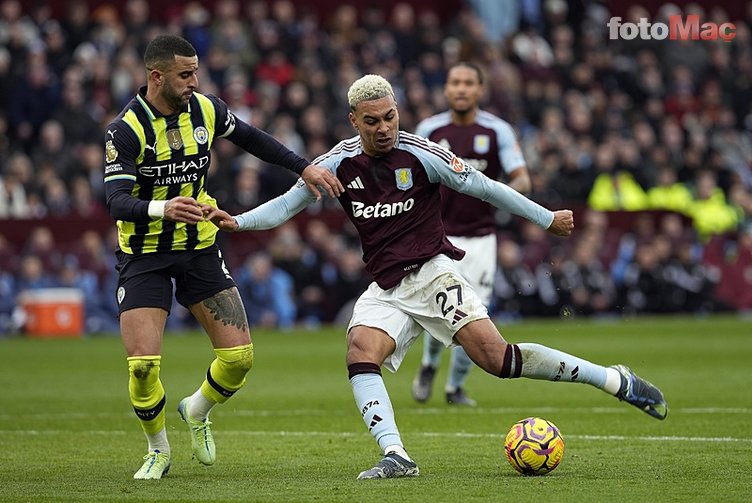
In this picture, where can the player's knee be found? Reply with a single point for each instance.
(144, 370)
(368, 345)
(227, 372)
(235, 362)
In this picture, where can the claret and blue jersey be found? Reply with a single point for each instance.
(394, 202)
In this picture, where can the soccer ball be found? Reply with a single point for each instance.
(534, 446)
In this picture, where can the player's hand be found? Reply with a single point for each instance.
(183, 209)
(222, 219)
(315, 176)
(563, 223)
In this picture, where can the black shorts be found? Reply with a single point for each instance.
(146, 280)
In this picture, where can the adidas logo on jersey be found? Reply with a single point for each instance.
(356, 184)
(379, 210)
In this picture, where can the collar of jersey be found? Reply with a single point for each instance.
(151, 111)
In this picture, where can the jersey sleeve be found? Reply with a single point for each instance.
(442, 166)
(122, 149)
(253, 140)
(423, 129)
(277, 211)
(510, 152)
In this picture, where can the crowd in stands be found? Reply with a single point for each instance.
(656, 127)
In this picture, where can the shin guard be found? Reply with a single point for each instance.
(227, 372)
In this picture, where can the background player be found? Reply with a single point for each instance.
(487, 143)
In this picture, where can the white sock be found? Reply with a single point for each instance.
(397, 449)
(613, 381)
(199, 406)
(158, 442)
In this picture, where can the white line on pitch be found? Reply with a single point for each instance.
(402, 411)
(410, 434)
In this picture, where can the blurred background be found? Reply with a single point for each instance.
(648, 141)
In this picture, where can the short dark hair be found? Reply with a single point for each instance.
(163, 49)
(472, 66)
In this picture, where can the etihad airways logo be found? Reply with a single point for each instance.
(676, 29)
(379, 210)
(175, 172)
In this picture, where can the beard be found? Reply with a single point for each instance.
(175, 100)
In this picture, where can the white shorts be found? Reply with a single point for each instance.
(479, 264)
(435, 298)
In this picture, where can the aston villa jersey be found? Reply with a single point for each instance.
(489, 145)
(393, 201)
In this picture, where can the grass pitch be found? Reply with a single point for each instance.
(67, 431)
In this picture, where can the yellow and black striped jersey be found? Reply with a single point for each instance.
(150, 156)
(164, 157)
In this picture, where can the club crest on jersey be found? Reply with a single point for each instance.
(201, 135)
(110, 152)
(481, 143)
(457, 165)
(174, 140)
(404, 178)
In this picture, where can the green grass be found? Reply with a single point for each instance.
(67, 432)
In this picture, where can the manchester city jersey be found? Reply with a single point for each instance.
(159, 157)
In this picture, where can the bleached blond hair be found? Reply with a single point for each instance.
(367, 88)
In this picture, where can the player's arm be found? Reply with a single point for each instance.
(445, 168)
(269, 215)
(510, 155)
(519, 180)
(267, 148)
(122, 148)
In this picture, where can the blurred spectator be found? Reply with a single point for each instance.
(7, 301)
(554, 289)
(291, 254)
(592, 289)
(692, 281)
(78, 125)
(96, 317)
(13, 203)
(268, 292)
(613, 188)
(350, 282)
(515, 287)
(668, 193)
(32, 100)
(710, 212)
(32, 275)
(52, 148)
(644, 288)
(41, 244)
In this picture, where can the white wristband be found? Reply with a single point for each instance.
(157, 209)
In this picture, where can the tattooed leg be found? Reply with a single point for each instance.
(223, 317)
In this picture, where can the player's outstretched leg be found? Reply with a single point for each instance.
(488, 350)
(423, 382)
(459, 369)
(642, 394)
